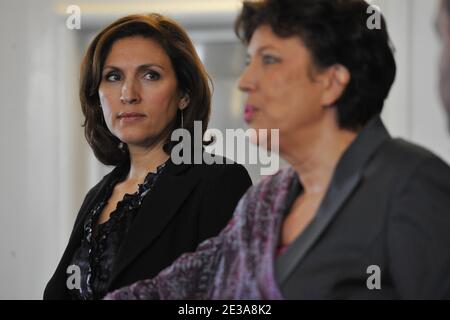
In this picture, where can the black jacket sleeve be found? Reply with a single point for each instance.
(221, 196)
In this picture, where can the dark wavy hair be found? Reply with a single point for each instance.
(335, 32)
(191, 75)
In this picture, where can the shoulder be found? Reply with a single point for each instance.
(421, 176)
(100, 185)
(102, 182)
(405, 159)
(401, 150)
(214, 167)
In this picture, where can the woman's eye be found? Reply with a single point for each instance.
(113, 76)
(268, 59)
(152, 75)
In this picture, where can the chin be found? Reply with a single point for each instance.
(133, 140)
(142, 141)
(134, 136)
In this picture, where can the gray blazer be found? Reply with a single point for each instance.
(386, 217)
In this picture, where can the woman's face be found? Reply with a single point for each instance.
(138, 91)
(283, 89)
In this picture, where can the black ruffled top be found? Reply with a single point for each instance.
(101, 242)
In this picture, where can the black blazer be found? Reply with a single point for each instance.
(388, 205)
(189, 203)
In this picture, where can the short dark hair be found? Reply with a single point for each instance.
(191, 75)
(335, 32)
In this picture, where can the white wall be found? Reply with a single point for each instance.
(40, 134)
(428, 121)
(13, 146)
(46, 167)
(413, 109)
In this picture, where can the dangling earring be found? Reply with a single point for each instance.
(182, 120)
(122, 146)
(183, 103)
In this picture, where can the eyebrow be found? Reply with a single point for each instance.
(140, 68)
(260, 49)
(268, 46)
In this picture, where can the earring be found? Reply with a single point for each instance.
(121, 146)
(184, 101)
(182, 120)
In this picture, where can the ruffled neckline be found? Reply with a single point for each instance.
(130, 201)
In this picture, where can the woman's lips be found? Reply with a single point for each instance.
(131, 116)
(249, 112)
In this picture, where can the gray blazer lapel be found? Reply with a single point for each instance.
(345, 180)
(333, 200)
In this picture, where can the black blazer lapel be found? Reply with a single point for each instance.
(156, 212)
(346, 178)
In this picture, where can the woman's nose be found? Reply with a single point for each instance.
(130, 94)
(247, 80)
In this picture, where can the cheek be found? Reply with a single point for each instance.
(161, 102)
(107, 99)
(292, 96)
(109, 108)
(277, 92)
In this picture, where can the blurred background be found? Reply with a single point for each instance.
(46, 165)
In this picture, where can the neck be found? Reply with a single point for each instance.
(315, 152)
(144, 160)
